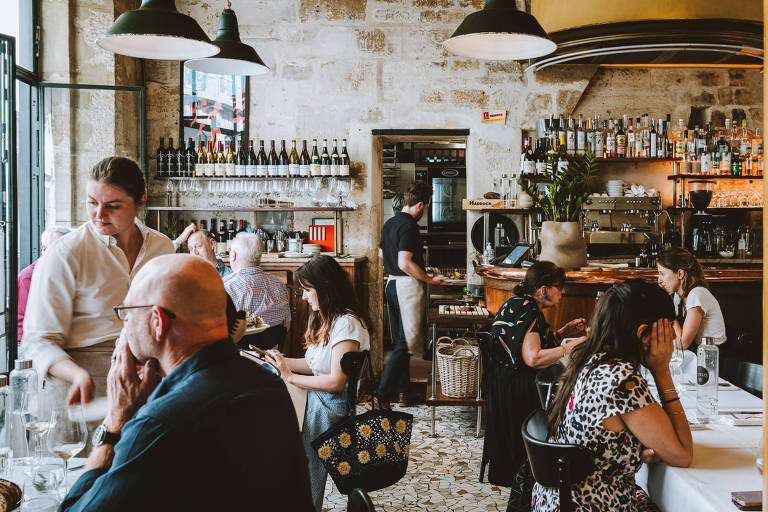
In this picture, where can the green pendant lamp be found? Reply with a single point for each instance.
(500, 32)
(156, 30)
(235, 57)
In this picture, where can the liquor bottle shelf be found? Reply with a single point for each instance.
(247, 178)
(712, 177)
(251, 209)
(637, 160)
(715, 210)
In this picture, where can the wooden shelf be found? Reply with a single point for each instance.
(637, 160)
(250, 209)
(246, 178)
(441, 399)
(712, 177)
(729, 209)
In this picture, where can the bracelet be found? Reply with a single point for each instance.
(673, 390)
(565, 350)
(665, 402)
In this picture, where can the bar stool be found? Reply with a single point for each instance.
(555, 465)
(352, 365)
(359, 501)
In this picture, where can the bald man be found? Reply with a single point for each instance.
(197, 427)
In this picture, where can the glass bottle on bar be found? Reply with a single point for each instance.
(344, 159)
(590, 137)
(294, 168)
(669, 149)
(314, 160)
(570, 138)
(221, 239)
(304, 160)
(170, 159)
(599, 138)
(213, 230)
(661, 132)
(283, 162)
(581, 137)
(251, 169)
(214, 159)
(335, 159)
(202, 160)
(646, 152)
(528, 166)
(191, 158)
(610, 141)
(621, 141)
(325, 160)
(262, 162)
(562, 134)
(241, 161)
(229, 169)
(654, 141)
(272, 161)
(230, 234)
(181, 160)
(161, 160)
(630, 138)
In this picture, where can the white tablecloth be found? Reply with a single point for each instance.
(723, 460)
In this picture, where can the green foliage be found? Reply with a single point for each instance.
(561, 200)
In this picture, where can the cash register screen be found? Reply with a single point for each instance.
(516, 255)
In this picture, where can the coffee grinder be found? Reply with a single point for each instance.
(702, 229)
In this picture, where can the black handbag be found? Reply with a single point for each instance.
(369, 451)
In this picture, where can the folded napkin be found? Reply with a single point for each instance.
(742, 419)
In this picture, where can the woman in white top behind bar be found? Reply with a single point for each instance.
(70, 327)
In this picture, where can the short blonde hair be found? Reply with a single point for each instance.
(248, 247)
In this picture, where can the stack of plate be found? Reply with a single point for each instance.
(312, 249)
(615, 187)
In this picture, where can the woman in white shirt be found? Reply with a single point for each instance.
(70, 327)
(680, 275)
(337, 325)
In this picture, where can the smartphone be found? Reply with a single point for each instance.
(258, 350)
(748, 500)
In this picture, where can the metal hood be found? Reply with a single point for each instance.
(652, 33)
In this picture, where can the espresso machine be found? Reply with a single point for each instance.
(621, 226)
(702, 241)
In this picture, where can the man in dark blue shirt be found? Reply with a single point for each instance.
(217, 433)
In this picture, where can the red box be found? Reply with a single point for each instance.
(323, 235)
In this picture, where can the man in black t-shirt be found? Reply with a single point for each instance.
(402, 251)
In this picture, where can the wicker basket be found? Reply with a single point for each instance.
(457, 364)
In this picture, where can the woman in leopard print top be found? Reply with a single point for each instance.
(604, 403)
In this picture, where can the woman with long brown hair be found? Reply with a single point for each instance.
(336, 325)
(698, 312)
(603, 403)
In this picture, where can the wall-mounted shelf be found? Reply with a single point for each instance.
(536, 178)
(247, 178)
(712, 177)
(637, 160)
(716, 210)
(251, 209)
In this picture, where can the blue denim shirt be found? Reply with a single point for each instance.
(218, 433)
(223, 269)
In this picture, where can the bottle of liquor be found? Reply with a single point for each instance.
(661, 138)
(314, 162)
(203, 224)
(654, 141)
(527, 165)
(170, 159)
(570, 138)
(757, 143)
(590, 136)
(221, 239)
(161, 160)
(283, 162)
(638, 151)
(705, 160)
(599, 138)
(562, 135)
(344, 158)
(725, 152)
(680, 140)
(240, 227)
(325, 160)
(744, 140)
(581, 137)
(273, 171)
(293, 161)
(241, 161)
(621, 141)
(230, 234)
(251, 171)
(646, 152)
(304, 161)
(630, 139)
(262, 162)
(335, 159)
(610, 141)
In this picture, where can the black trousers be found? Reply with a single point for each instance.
(396, 376)
(275, 335)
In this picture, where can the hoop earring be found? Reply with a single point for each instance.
(544, 296)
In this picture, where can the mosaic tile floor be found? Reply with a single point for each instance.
(442, 472)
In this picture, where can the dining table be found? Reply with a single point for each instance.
(724, 453)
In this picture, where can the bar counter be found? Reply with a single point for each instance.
(739, 292)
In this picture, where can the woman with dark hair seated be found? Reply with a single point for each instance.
(604, 404)
(521, 344)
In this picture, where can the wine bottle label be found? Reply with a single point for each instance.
(250, 171)
(261, 170)
(344, 169)
(273, 170)
(570, 144)
(229, 170)
(282, 170)
(325, 170)
(725, 162)
(528, 166)
(653, 146)
(580, 141)
(238, 170)
(621, 145)
(334, 170)
(599, 144)
(610, 145)
(304, 170)
(706, 163)
(218, 170)
(293, 169)
(221, 248)
(541, 167)
(314, 169)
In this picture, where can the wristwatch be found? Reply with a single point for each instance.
(102, 436)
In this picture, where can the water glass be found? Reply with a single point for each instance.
(67, 436)
(36, 416)
(41, 487)
(676, 363)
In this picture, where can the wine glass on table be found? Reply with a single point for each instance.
(676, 363)
(67, 436)
(37, 418)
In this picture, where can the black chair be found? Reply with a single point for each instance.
(748, 376)
(555, 465)
(547, 382)
(352, 364)
(359, 501)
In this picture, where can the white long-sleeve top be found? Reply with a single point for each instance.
(74, 287)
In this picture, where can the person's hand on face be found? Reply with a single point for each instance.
(659, 347)
(126, 390)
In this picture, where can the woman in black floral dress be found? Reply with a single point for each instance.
(604, 404)
(521, 344)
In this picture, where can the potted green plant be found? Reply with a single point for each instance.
(562, 236)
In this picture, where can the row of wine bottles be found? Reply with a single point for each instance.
(211, 160)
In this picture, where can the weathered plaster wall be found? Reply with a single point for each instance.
(341, 68)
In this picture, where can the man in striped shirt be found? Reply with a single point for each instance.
(257, 292)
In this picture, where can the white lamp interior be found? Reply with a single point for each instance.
(495, 46)
(226, 66)
(150, 46)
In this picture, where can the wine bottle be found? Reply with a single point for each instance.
(654, 141)
(570, 138)
(304, 161)
(251, 165)
(230, 234)
(202, 160)
(181, 160)
(262, 162)
(213, 159)
(335, 159)
(229, 169)
(344, 159)
(221, 168)
(272, 161)
(638, 139)
(221, 239)
(191, 158)
(241, 161)
(314, 162)
(325, 160)
(630, 139)
(171, 159)
(283, 161)
(669, 150)
(540, 157)
(527, 165)
(621, 141)
(161, 160)
(610, 141)
(293, 161)
(213, 230)
(581, 137)
(599, 138)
